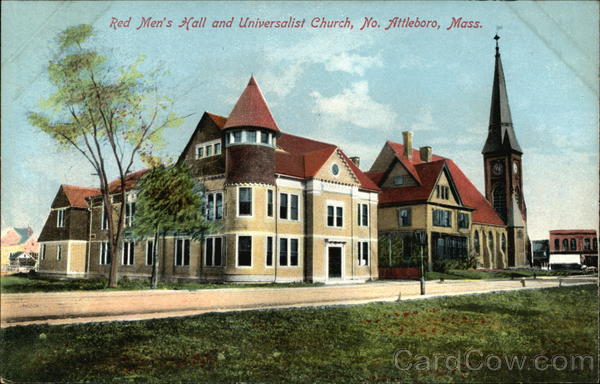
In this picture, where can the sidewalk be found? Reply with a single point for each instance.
(80, 307)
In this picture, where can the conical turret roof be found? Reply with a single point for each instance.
(251, 110)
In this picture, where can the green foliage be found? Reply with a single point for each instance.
(169, 199)
(348, 344)
(400, 250)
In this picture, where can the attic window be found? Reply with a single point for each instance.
(60, 218)
(335, 169)
(399, 180)
(208, 149)
(442, 192)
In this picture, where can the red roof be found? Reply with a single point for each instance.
(130, 181)
(217, 119)
(77, 195)
(303, 158)
(427, 174)
(251, 110)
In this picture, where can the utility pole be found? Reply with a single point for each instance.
(421, 238)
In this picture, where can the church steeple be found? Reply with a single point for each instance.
(501, 136)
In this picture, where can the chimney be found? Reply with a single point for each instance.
(407, 136)
(355, 160)
(425, 154)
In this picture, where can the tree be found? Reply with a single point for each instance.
(169, 200)
(109, 116)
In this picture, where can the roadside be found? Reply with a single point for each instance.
(94, 306)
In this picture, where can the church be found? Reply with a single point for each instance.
(291, 208)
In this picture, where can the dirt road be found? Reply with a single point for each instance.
(78, 307)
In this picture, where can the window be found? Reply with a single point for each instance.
(128, 253)
(283, 205)
(104, 219)
(565, 243)
(586, 243)
(335, 169)
(245, 202)
(244, 251)
(150, 252)
(208, 150)
(269, 252)
(251, 136)
(499, 199)
(442, 192)
(288, 252)
(60, 218)
(363, 215)
(595, 242)
(43, 252)
(214, 206)
(573, 244)
(442, 218)
(503, 240)
(129, 214)
(491, 240)
(269, 203)
(363, 253)
(288, 206)
(556, 244)
(182, 252)
(404, 217)
(335, 216)
(237, 137)
(199, 152)
(104, 254)
(264, 137)
(463, 220)
(217, 148)
(58, 252)
(399, 180)
(213, 251)
(294, 207)
(476, 242)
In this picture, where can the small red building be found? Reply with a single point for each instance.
(581, 241)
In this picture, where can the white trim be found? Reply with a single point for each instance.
(289, 183)
(326, 258)
(237, 264)
(360, 217)
(299, 207)
(189, 242)
(359, 247)
(273, 237)
(68, 257)
(60, 217)
(212, 195)
(335, 204)
(335, 164)
(131, 254)
(105, 244)
(206, 144)
(58, 254)
(289, 252)
(237, 203)
(223, 251)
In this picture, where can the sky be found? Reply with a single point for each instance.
(350, 87)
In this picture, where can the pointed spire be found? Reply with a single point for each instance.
(501, 135)
(251, 110)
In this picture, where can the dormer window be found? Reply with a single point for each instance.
(442, 192)
(208, 149)
(399, 180)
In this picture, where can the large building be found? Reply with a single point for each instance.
(294, 209)
(582, 242)
(289, 209)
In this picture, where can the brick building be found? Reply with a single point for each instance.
(576, 241)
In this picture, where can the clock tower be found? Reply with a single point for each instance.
(503, 169)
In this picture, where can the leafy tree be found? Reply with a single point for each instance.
(169, 200)
(110, 115)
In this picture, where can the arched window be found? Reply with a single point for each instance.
(518, 197)
(476, 241)
(491, 240)
(499, 199)
(503, 239)
(556, 245)
(565, 245)
(573, 244)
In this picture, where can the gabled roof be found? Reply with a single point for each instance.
(77, 195)
(303, 158)
(428, 174)
(130, 180)
(251, 110)
(218, 120)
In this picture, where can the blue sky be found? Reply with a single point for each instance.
(353, 88)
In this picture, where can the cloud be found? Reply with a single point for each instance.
(337, 53)
(425, 121)
(354, 106)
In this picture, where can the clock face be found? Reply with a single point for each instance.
(515, 167)
(497, 168)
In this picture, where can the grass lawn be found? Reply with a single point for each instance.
(340, 344)
(22, 283)
(497, 274)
